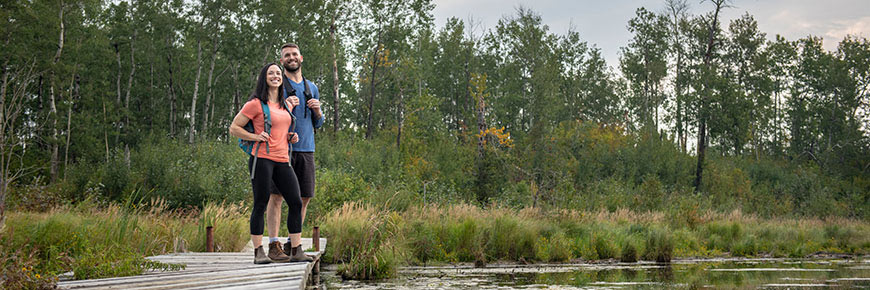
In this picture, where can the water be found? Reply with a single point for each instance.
(682, 274)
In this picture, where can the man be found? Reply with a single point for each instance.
(308, 117)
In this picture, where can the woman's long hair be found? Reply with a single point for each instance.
(261, 91)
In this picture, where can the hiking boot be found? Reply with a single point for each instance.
(288, 249)
(298, 255)
(260, 256)
(276, 254)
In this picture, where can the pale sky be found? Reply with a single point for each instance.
(603, 23)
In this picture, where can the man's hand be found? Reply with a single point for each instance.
(292, 102)
(293, 137)
(314, 104)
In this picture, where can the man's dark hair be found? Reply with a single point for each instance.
(286, 45)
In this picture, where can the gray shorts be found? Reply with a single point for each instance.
(303, 166)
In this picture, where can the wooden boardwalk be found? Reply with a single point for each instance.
(234, 270)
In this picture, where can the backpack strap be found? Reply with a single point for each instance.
(308, 96)
(267, 123)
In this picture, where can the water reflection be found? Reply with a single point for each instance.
(684, 274)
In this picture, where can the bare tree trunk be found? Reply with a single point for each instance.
(132, 69)
(205, 113)
(238, 93)
(4, 168)
(334, 77)
(211, 112)
(171, 96)
(375, 61)
(265, 58)
(130, 76)
(74, 92)
(151, 91)
(118, 75)
(106, 132)
(53, 106)
(400, 116)
(481, 127)
(702, 127)
(192, 133)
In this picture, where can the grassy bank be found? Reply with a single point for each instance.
(371, 243)
(98, 242)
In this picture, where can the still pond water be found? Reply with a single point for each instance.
(682, 274)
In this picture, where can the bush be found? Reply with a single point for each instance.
(556, 248)
(604, 247)
(629, 252)
(659, 246)
(359, 235)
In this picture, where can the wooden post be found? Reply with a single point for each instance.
(209, 239)
(315, 238)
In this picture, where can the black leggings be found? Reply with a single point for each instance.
(268, 171)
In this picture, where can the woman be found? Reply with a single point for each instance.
(271, 164)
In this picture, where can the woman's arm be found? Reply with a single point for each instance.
(237, 130)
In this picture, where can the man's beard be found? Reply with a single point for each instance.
(291, 69)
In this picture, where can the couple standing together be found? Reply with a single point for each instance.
(281, 98)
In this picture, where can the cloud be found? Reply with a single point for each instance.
(859, 27)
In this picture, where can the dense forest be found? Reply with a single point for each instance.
(131, 100)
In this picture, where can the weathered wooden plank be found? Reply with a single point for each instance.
(211, 271)
(253, 280)
(174, 277)
(282, 283)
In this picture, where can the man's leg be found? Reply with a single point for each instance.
(303, 166)
(305, 201)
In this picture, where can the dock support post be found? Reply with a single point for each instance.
(315, 238)
(209, 239)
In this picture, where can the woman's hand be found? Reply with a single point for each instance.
(262, 137)
(293, 138)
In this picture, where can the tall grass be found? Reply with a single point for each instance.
(95, 241)
(371, 241)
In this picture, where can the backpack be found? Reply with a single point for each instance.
(306, 93)
(248, 145)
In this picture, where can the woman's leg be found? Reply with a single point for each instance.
(288, 185)
(260, 185)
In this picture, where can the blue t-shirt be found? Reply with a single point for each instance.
(304, 125)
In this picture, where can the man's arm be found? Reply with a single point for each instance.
(318, 113)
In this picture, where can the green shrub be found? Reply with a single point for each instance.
(556, 248)
(604, 247)
(659, 246)
(746, 247)
(359, 234)
(629, 253)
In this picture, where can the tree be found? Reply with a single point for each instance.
(644, 64)
(678, 22)
(704, 107)
(743, 109)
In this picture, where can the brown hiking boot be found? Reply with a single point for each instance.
(298, 255)
(276, 254)
(260, 256)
